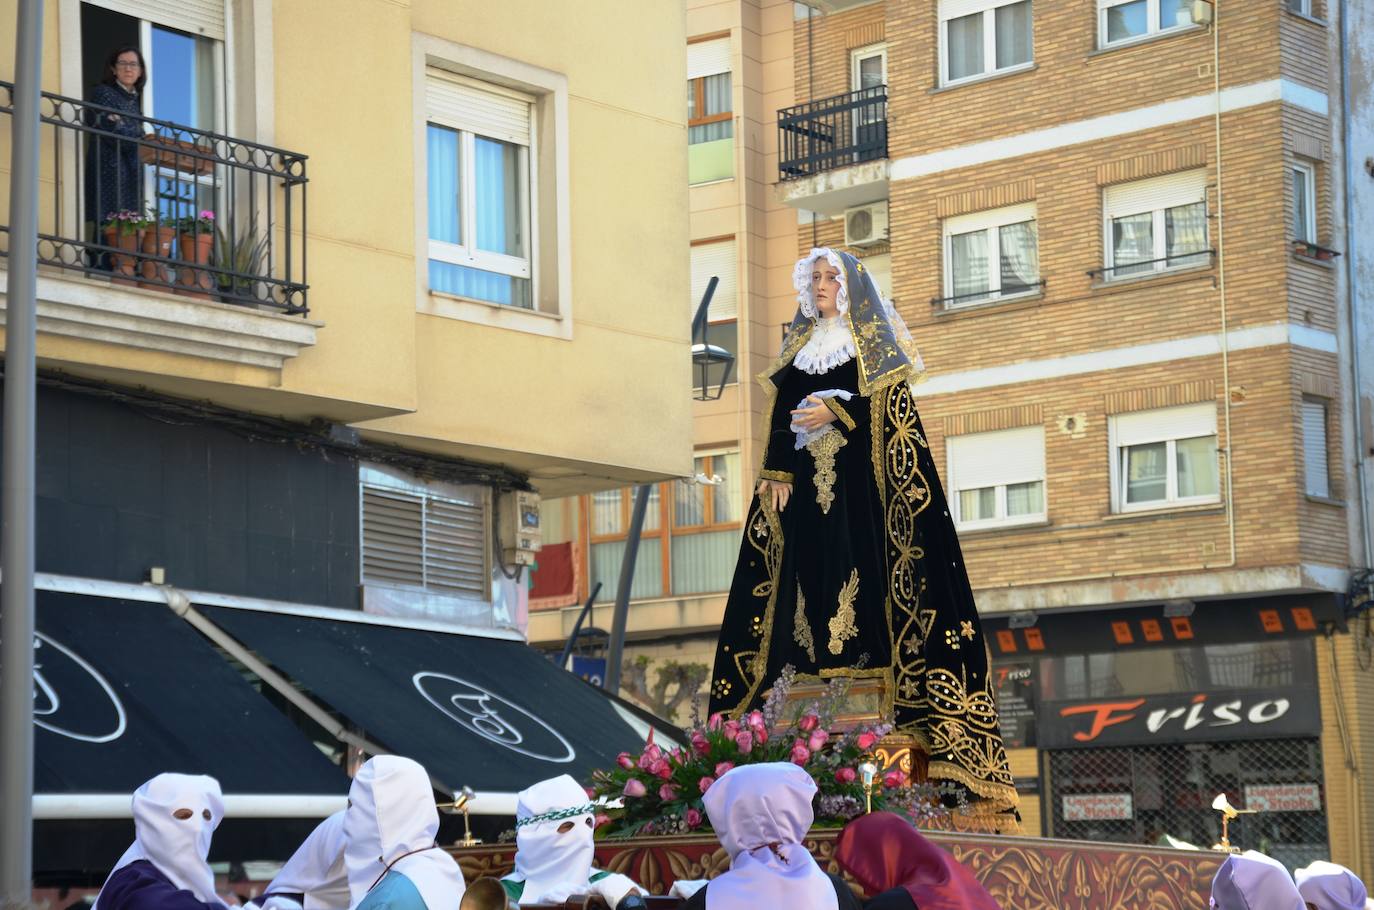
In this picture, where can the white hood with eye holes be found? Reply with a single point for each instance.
(553, 865)
(177, 847)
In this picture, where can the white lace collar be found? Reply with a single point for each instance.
(829, 346)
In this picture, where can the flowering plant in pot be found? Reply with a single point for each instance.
(123, 229)
(659, 791)
(195, 243)
(158, 237)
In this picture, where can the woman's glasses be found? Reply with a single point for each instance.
(128, 65)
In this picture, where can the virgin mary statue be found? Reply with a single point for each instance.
(850, 565)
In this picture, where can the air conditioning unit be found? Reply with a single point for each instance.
(519, 527)
(865, 225)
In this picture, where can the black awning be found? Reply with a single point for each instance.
(125, 690)
(487, 713)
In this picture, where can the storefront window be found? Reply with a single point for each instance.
(1263, 664)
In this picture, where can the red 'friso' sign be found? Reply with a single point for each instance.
(1184, 717)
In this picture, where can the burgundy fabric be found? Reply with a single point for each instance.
(554, 577)
(883, 851)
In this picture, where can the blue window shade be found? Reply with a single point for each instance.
(447, 278)
(499, 206)
(443, 184)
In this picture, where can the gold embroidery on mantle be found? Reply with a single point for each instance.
(841, 625)
(823, 450)
(801, 629)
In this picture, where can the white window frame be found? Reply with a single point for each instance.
(860, 54)
(1158, 236)
(1152, 29)
(1030, 469)
(991, 220)
(1304, 7)
(1309, 184)
(1188, 420)
(468, 254)
(549, 196)
(950, 10)
(1308, 447)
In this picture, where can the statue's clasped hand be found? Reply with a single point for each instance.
(815, 415)
(776, 490)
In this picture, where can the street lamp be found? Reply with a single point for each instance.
(705, 355)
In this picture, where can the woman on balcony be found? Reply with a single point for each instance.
(114, 178)
(850, 566)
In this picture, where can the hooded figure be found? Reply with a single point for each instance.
(760, 814)
(901, 869)
(1327, 886)
(849, 557)
(314, 878)
(175, 815)
(554, 847)
(390, 856)
(1253, 881)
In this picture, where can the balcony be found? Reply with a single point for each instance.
(160, 236)
(832, 153)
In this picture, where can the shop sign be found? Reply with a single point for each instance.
(1097, 807)
(1180, 717)
(1283, 797)
(1015, 703)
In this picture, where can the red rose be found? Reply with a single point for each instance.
(693, 818)
(700, 743)
(846, 776)
(662, 769)
(894, 779)
(866, 741)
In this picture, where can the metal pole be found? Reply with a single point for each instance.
(577, 627)
(622, 591)
(17, 480)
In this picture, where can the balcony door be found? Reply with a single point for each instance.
(868, 70)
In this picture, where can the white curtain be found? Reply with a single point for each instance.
(965, 46)
(1020, 256)
(1147, 473)
(1185, 231)
(717, 91)
(1132, 242)
(1013, 34)
(1197, 466)
(969, 255)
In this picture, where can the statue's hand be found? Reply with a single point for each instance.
(814, 416)
(778, 491)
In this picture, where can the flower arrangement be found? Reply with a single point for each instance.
(124, 222)
(202, 223)
(659, 791)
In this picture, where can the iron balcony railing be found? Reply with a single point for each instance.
(1194, 259)
(833, 132)
(185, 210)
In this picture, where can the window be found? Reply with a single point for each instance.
(610, 525)
(717, 259)
(1300, 6)
(1156, 224)
(869, 67)
(997, 478)
(868, 73)
(430, 537)
(989, 255)
(706, 517)
(1303, 178)
(1164, 457)
(710, 117)
(1134, 19)
(1316, 464)
(978, 37)
(478, 139)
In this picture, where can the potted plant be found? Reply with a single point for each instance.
(158, 237)
(195, 243)
(123, 230)
(240, 257)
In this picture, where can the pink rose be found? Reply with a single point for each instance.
(714, 721)
(601, 820)
(635, 787)
(693, 819)
(800, 754)
(667, 793)
(700, 743)
(894, 779)
(846, 776)
(809, 721)
(730, 729)
(755, 720)
(625, 760)
(818, 738)
(591, 793)
(705, 784)
(866, 741)
(745, 741)
(724, 766)
(662, 769)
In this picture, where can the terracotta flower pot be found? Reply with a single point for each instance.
(195, 248)
(157, 241)
(123, 266)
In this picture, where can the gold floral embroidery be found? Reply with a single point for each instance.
(801, 629)
(823, 450)
(779, 476)
(841, 625)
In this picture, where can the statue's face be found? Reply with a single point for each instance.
(825, 284)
